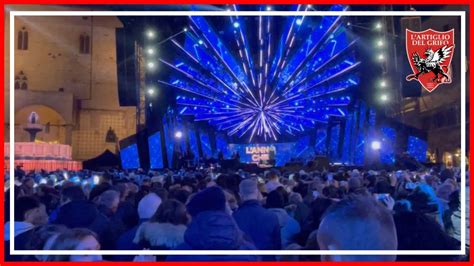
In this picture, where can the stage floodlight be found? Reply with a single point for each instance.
(178, 134)
(150, 34)
(384, 97)
(376, 145)
(380, 43)
(151, 91)
(151, 65)
(150, 51)
(378, 26)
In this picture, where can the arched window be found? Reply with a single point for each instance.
(21, 82)
(84, 44)
(23, 39)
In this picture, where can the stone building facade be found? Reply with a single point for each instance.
(65, 69)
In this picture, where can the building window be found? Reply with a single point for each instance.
(21, 82)
(23, 39)
(84, 44)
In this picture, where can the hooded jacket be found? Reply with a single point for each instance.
(260, 224)
(289, 226)
(214, 230)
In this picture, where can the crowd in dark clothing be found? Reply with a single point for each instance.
(197, 209)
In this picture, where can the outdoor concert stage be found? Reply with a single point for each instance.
(357, 140)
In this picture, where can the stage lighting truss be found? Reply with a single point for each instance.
(269, 76)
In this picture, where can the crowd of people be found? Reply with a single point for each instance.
(217, 209)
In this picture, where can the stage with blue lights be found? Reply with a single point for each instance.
(278, 88)
(260, 78)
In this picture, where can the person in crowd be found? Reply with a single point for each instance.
(28, 213)
(212, 228)
(27, 186)
(165, 230)
(109, 202)
(68, 194)
(289, 227)
(210, 207)
(147, 207)
(299, 209)
(260, 224)
(85, 214)
(273, 181)
(41, 239)
(423, 233)
(308, 235)
(75, 239)
(424, 200)
(357, 223)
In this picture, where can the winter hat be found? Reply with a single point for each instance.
(210, 199)
(148, 206)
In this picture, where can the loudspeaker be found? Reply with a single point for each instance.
(126, 68)
(143, 151)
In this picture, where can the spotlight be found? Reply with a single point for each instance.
(150, 34)
(150, 51)
(151, 91)
(383, 84)
(200, 42)
(185, 29)
(348, 23)
(381, 57)
(178, 134)
(228, 9)
(380, 43)
(378, 26)
(269, 8)
(384, 97)
(151, 65)
(299, 21)
(236, 24)
(310, 6)
(376, 145)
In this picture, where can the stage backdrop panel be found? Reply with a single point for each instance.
(156, 156)
(417, 148)
(129, 157)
